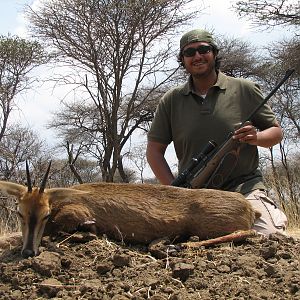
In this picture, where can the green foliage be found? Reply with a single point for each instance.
(17, 57)
(19, 52)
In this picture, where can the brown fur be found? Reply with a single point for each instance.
(141, 213)
(137, 213)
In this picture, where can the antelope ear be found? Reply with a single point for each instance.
(57, 194)
(13, 189)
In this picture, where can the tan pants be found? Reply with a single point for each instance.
(272, 219)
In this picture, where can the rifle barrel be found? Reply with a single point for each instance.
(288, 73)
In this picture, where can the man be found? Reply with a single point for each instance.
(207, 107)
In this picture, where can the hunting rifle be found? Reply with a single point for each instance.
(212, 166)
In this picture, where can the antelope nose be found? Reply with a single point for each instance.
(27, 253)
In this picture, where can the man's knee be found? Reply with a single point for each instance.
(273, 219)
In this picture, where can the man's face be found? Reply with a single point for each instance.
(199, 63)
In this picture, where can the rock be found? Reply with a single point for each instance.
(50, 287)
(182, 271)
(82, 237)
(103, 268)
(47, 263)
(90, 286)
(269, 251)
(121, 260)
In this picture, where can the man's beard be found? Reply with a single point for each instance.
(205, 73)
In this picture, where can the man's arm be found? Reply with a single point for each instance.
(265, 138)
(156, 159)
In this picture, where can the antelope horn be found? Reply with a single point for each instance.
(43, 184)
(29, 185)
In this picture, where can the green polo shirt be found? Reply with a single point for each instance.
(191, 121)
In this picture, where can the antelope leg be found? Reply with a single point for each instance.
(232, 237)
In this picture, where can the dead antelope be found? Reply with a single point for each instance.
(136, 213)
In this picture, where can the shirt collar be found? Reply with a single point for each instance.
(222, 81)
(221, 84)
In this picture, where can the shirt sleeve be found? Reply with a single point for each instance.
(160, 130)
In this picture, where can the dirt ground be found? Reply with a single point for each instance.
(83, 266)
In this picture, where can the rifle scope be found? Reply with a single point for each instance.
(180, 180)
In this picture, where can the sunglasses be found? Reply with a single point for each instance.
(202, 49)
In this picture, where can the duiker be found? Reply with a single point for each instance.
(134, 213)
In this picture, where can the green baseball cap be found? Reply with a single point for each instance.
(197, 35)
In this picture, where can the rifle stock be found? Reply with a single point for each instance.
(202, 172)
(203, 178)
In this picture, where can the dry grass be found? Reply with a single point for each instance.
(294, 232)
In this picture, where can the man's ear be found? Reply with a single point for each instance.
(182, 61)
(215, 52)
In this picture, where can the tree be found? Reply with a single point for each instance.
(138, 157)
(284, 55)
(73, 155)
(270, 13)
(239, 59)
(18, 145)
(118, 51)
(282, 177)
(61, 175)
(18, 57)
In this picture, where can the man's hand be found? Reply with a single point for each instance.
(246, 134)
(263, 138)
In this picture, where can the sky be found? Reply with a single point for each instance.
(37, 104)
